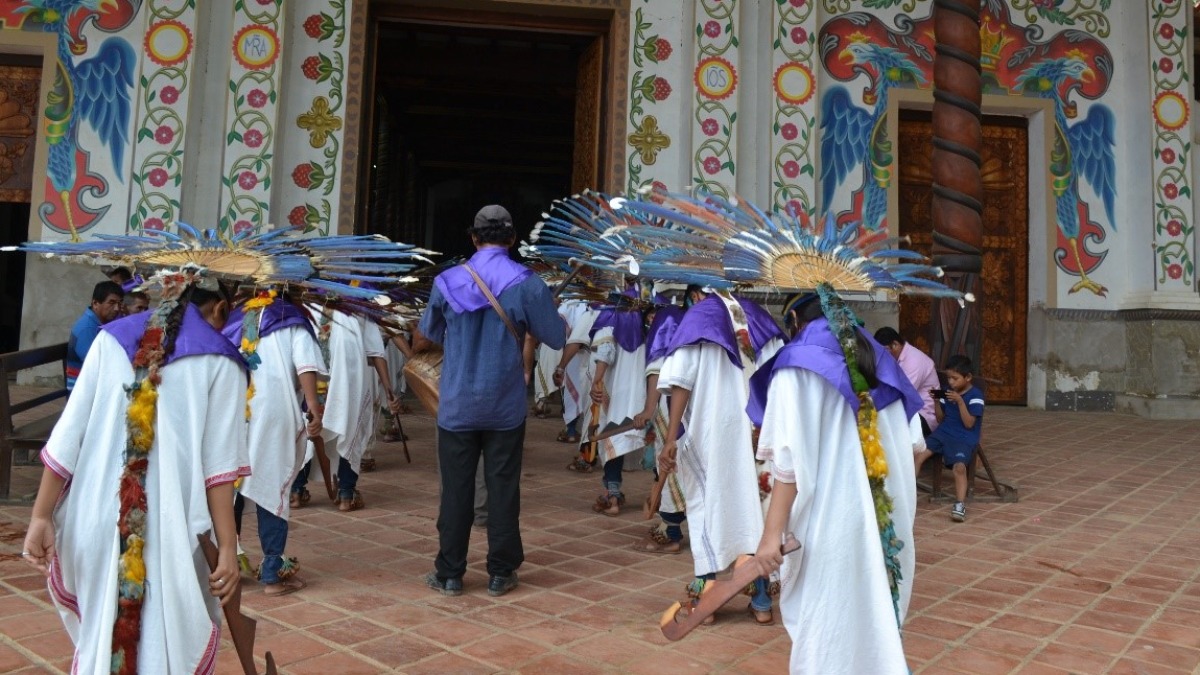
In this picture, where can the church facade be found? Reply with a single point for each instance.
(267, 113)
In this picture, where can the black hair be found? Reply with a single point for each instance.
(137, 295)
(495, 232)
(887, 335)
(194, 295)
(104, 289)
(864, 356)
(808, 310)
(123, 272)
(961, 365)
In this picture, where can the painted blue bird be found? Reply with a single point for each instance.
(853, 135)
(97, 90)
(1083, 149)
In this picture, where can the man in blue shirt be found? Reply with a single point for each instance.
(107, 297)
(483, 397)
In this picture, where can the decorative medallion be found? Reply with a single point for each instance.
(716, 78)
(168, 43)
(648, 140)
(1170, 110)
(794, 83)
(256, 47)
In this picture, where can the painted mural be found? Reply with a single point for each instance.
(715, 113)
(1064, 67)
(93, 93)
(648, 86)
(794, 118)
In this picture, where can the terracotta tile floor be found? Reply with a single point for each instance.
(1093, 571)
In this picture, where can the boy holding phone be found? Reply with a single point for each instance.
(959, 413)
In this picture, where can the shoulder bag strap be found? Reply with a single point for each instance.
(496, 306)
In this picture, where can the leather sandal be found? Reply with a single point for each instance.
(564, 437)
(762, 618)
(607, 505)
(580, 466)
(353, 504)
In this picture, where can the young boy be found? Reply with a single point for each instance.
(959, 414)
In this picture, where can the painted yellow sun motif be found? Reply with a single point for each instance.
(1171, 110)
(168, 43)
(794, 83)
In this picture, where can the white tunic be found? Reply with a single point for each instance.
(277, 439)
(351, 400)
(835, 599)
(715, 460)
(200, 441)
(577, 375)
(395, 364)
(625, 382)
(673, 500)
(543, 374)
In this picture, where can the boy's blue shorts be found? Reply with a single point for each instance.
(952, 451)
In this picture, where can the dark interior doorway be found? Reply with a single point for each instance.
(466, 116)
(14, 224)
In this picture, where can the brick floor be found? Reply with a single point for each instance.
(1095, 570)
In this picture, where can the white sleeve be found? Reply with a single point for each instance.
(604, 346)
(373, 340)
(224, 455)
(681, 368)
(306, 353)
(654, 367)
(61, 453)
(581, 329)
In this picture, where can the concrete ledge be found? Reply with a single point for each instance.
(1177, 408)
(1081, 401)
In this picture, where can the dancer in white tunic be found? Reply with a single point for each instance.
(574, 371)
(278, 341)
(199, 449)
(837, 600)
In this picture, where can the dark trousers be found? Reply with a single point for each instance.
(272, 536)
(458, 459)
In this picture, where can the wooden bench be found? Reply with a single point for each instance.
(1003, 492)
(30, 435)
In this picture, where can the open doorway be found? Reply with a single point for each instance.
(469, 115)
(20, 82)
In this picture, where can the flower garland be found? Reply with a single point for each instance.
(249, 346)
(140, 418)
(845, 326)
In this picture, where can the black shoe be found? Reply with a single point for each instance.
(447, 587)
(499, 585)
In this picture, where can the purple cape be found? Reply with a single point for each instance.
(493, 265)
(662, 329)
(278, 315)
(626, 325)
(196, 337)
(816, 349)
(708, 321)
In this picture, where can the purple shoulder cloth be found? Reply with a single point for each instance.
(196, 337)
(493, 265)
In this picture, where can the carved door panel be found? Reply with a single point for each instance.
(19, 86)
(588, 88)
(1005, 274)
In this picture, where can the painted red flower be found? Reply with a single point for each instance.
(788, 131)
(266, 3)
(798, 3)
(791, 169)
(712, 29)
(710, 127)
(799, 35)
(1167, 156)
(311, 67)
(662, 50)
(1170, 191)
(256, 98)
(153, 224)
(158, 176)
(242, 226)
(1174, 227)
(794, 208)
(1166, 65)
(296, 216)
(169, 95)
(662, 89)
(312, 26)
(252, 138)
(655, 188)
(1175, 270)
(712, 165)
(164, 135)
(247, 180)
(1167, 32)
(302, 175)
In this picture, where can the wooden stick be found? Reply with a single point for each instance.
(241, 627)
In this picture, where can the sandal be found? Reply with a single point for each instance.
(657, 541)
(564, 437)
(580, 466)
(609, 505)
(299, 499)
(284, 586)
(762, 618)
(353, 504)
(367, 464)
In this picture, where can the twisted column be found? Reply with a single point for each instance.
(957, 203)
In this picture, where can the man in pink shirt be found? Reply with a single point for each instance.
(920, 371)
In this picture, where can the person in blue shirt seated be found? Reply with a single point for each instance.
(959, 412)
(482, 391)
(107, 299)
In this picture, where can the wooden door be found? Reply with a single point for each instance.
(1005, 274)
(585, 169)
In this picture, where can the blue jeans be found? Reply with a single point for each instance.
(761, 600)
(272, 537)
(674, 522)
(347, 480)
(573, 427)
(612, 475)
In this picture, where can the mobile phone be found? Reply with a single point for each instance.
(937, 393)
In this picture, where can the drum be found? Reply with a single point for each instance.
(422, 372)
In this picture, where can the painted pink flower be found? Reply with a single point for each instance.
(1170, 191)
(1166, 65)
(169, 94)
(712, 29)
(798, 3)
(164, 135)
(1175, 270)
(252, 138)
(1174, 227)
(791, 169)
(712, 165)
(1167, 32)
(266, 3)
(710, 127)
(247, 180)
(788, 131)
(1167, 156)
(153, 224)
(242, 226)
(794, 208)
(158, 176)
(256, 98)
(799, 35)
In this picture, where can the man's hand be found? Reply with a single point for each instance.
(38, 549)
(666, 457)
(558, 377)
(643, 418)
(953, 396)
(598, 394)
(394, 404)
(769, 557)
(314, 426)
(226, 576)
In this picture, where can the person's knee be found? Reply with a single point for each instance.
(960, 469)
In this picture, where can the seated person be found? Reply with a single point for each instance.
(107, 298)
(959, 414)
(918, 368)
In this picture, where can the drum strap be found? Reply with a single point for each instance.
(496, 306)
